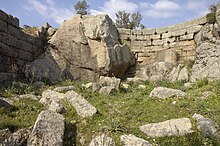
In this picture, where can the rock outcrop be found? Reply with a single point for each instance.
(79, 50)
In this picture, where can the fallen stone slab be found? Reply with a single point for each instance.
(18, 138)
(57, 106)
(27, 96)
(206, 125)
(110, 81)
(48, 130)
(131, 140)
(173, 127)
(107, 90)
(49, 95)
(82, 106)
(102, 140)
(6, 103)
(163, 93)
(64, 88)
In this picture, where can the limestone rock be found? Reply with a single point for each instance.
(206, 125)
(155, 71)
(48, 96)
(51, 31)
(126, 86)
(107, 90)
(6, 103)
(84, 48)
(173, 127)
(183, 74)
(102, 140)
(189, 85)
(18, 138)
(168, 56)
(56, 106)
(163, 93)
(88, 85)
(141, 86)
(110, 81)
(27, 96)
(96, 87)
(82, 106)
(131, 140)
(64, 88)
(48, 130)
(4, 133)
(207, 62)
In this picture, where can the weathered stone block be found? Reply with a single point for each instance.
(30, 39)
(148, 31)
(124, 31)
(187, 37)
(136, 32)
(27, 47)
(194, 29)
(3, 16)
(168, 56)
(23, 55)
(16, 32)
(9, 51)
(13, 21)
(158, 42)
(3, 26)
(179, 32)
(155, 37)
(166, 35)
(162, 30)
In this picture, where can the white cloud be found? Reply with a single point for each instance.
(199, 6)
(48, 10)
(113, 6)
(161, 9)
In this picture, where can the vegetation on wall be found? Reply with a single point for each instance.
(81, 7)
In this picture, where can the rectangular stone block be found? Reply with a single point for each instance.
(187, 37)
(158, 42)
(155, 37)
(13, 21)
(148, 31)
(28, 47)
(166, 35)
(142, 37)
(23, 55)
(8, 51)
(3, 16)
(194, 29)
(162, 30)
(3, 26)
(124, 31)
(30, 39)
(136, 32)
(16, 32)
(179, 32)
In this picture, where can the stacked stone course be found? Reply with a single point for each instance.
(145, 43)
(16, 47)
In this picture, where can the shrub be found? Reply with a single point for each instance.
(210, 17)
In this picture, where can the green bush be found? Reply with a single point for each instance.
(210, 17)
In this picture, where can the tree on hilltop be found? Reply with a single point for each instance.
(81, 7)
(128, 20)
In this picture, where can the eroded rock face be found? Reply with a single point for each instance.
(84, 48)
(48, 130)
(207, 62)
(172, 127)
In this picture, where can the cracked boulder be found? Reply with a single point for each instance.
(83, 48)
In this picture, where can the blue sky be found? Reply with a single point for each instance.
(156, 13)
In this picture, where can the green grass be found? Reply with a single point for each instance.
(124, 111)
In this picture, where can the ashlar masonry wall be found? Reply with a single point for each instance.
(145, 43)
(16, 47)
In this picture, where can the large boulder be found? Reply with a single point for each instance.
(102, 140)
(163, 93)
(84, 48)
(131, 140)
(207, 62)
(48, 130)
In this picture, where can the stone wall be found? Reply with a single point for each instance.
(146, 43)
(16, 47)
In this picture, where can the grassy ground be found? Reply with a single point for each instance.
(123, 112)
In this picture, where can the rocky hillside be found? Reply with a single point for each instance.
(110, 112)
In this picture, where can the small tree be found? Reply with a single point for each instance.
(81, 7)
(127, 20)
(122, 19)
